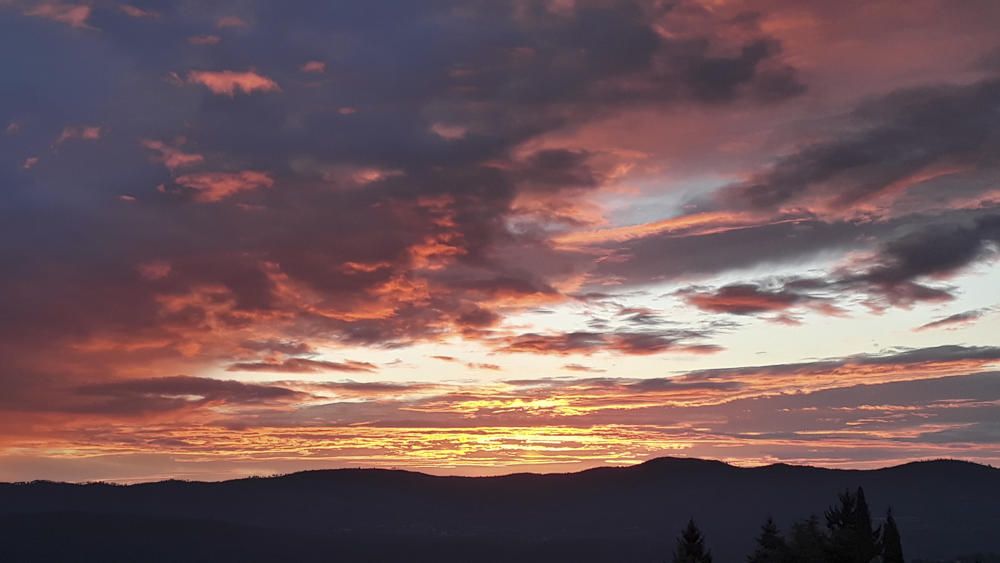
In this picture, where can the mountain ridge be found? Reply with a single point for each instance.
(940, 462)
(631, 513)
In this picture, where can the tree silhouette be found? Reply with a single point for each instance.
(771, 547)
(892, 547)
(808, 543)
(852, 539)
(868, 538)
(691, 546)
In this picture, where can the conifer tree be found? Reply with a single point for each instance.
(867, 547)
(691, 546)
(808, 543)
(852, 539)
(892, 547)
(771, 547)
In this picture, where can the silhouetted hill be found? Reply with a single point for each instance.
(943, 508)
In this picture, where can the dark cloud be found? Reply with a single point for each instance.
(936, 251)
(913, 170)
(902, 135)
(139, 396)
(965, 317)
(297, 187)
(897, 273)
(742, 299)
(583, 368)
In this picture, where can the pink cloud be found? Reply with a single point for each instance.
(135, 12)
(74, 15)
(216, 186)
(154, 270)
(172, 157)
(448, 132)
(83, 133)
(315, 67)
(231, 21)
(228, 82)
(204, 39)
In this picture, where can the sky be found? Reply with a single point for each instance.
(247, 237)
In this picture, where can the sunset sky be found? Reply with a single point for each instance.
(245, 237)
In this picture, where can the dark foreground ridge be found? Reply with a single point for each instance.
(942, 508)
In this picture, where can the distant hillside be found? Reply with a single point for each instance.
(943, 508)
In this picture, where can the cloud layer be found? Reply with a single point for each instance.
(202, 203)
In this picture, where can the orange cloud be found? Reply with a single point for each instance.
(228, 82)
(216, 186)
(302, 365)
(689, 225)
(172, 157)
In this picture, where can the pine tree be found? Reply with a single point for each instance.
(771, 547)
(691, 546)
(892, 547)
(852, 539)
(867, 547)
(808, 543)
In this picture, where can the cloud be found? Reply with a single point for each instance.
(889, 366)
(873, 176)
(136, 12)
(154, 269)
(583, 368)
(303, 365)
(176, 392)
(204, 40)
(172, 157)
(229, 82)
(74, 15)
(958, 319)
(313, 67)
(83, 133)
(936, 251)
(449, 132)
(289, 347)
(231, 22)
(623, 342)
(907, 138)
(216, 186)
(594, 159)
(743, 299)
